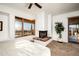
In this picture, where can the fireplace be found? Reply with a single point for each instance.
(42, 34)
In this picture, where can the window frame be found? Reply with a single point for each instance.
(27, 21)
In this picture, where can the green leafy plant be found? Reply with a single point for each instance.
(59, 28)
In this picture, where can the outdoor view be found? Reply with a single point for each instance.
(73, 32)
(24, 28)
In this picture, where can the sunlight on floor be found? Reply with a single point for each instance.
(22, 48)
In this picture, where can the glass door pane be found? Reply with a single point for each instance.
(27, 28)
(73, 32)
(18, 28)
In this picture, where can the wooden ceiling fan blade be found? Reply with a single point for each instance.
(38, 5)
(30, 6)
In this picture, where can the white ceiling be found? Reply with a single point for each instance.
(54, 8)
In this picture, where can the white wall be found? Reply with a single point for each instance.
(43, 22)
(9, 21)
(49, 25)
(4, 33)
(64, 19)
(40, 22)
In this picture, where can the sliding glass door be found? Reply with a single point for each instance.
(73, 32)
(27, 29)
(24, 27)
(18, 28)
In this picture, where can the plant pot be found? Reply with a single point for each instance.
(59, 40)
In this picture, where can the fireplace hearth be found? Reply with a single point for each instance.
(42, 36)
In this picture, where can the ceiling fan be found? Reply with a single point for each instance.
(36, 4)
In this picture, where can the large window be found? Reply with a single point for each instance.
(24, 27)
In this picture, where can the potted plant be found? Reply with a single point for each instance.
(59, 28)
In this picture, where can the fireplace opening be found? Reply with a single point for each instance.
(42, 34)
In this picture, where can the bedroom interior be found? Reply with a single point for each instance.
(29, 29)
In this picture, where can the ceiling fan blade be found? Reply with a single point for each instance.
(30, 6)
(38, 5)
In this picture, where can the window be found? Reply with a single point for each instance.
(27, 29)
(24, 27)
(18, 28)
